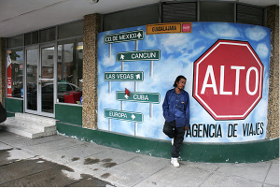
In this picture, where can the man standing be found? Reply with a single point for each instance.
(176, 113)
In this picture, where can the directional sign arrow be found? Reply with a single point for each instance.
(122, 57)
(124, 115)
(139, 35)
(124, 76)
(123, 37)
(147, 55)
(142, 97)
(133, 117)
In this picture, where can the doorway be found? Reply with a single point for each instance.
(40, 85)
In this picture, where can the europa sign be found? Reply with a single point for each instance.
(228, 80)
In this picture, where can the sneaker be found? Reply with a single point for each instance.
(175, 162)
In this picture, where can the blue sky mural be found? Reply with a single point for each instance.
(178, 54)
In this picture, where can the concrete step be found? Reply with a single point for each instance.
(36, 118)
(30, 133)
(30, 126)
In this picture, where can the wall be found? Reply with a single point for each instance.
(273, 105)
(91, 28)
(228, 99)
(13, 106)
(201, 152)
(249, 152)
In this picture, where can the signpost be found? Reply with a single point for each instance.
(124, 37)
(144, 55)
(164, 28)
(228, 80)
(141, 97)
(147, 55)
(124, 76)
(124, 115)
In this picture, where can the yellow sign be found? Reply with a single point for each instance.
(175, 27)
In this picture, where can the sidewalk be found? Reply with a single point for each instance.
(63, 161)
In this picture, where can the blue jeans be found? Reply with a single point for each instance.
(177, 133)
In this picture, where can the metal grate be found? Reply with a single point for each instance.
(179, 12)
(31, 38)
(249, 15)
(47, 35)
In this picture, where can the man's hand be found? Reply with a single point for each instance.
(186, 128)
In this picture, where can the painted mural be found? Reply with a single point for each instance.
(227, 71)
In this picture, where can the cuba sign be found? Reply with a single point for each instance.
(228, 80)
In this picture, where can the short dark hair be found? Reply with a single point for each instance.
(178, 79)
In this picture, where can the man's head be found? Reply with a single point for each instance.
(180, 82)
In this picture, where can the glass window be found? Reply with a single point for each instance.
(70, 30)
(70, 71)
(216, 11)
(31, 38)
(16, 41)
(15, 73)
(133, 17)
(47, 35)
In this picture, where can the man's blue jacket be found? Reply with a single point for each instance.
(176, 107)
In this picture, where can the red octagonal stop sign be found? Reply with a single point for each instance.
(228, 80)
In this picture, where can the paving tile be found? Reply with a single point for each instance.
(184, 176)
(4, 146)
(133, 171)
(6, 136)
(99, 162)
(22, 169)
(269, 185)
(53, 145)
(54, 176)
(251, 171)
(90, 182)
(225, 180)
(75, 153)
(25, 142)
(12, 155)
(275, 161)
(205, 166)
(273, 175)
(62, 161)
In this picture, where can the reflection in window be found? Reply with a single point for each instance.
(16, 57)
(70, 72)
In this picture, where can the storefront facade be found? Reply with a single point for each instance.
(80, 72)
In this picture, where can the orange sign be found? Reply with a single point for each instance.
(175, 27)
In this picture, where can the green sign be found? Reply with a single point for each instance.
(138, 55)
(138, 97)
(123, 37)
(124, 115)
(124, 76)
